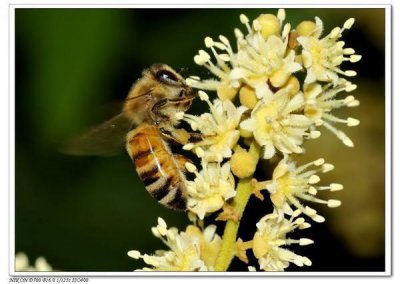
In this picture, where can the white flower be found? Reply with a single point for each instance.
(22, 263)
(322, 57)
(219, 129)
(225, 87)
(270, 239)
(260, 60)
(320, 101)
(290, 184)
(275, 126)
(192, 250)
(211, 187)
(257, 61)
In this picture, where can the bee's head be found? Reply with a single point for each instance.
(170, 82)
(172, 94)
(166, 93)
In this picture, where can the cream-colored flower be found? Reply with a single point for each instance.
(22, 263)
(191, 250)
(323, 56)
(225, 87)
(261, 57)
(275, 125)
(320, 101)
(290, 184)
(259, 61)
(210, 189)
(219, 128)
(270, 239)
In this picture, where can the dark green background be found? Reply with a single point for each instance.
(85, 213)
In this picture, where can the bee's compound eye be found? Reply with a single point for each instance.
(166, 76)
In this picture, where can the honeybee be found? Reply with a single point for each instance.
(146, 125)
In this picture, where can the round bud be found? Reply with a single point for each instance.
(294, 83)
(269, 25)
(226, 92)
(279, 77)
(245, 134)
(247, 96)
(243, 164)
(305, 28)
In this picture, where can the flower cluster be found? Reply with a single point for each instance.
(191, 250)
(271, 236)
(22, 263)
(288, 82)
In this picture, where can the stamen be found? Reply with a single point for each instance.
(243, 19)
(305, 242)
(347, 25)
(134, 254)
(348, 51)
(352, 122)
(190, 167)
(355, 58)
(350, 73)
(327, 168)
(161, 222)
(203, 96)
(208, 41)
(336, 186)
(281, 15)
(314, 179)
(155, 232)
(332, 203)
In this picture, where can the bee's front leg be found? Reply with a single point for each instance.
(195, 137)
(180, 136)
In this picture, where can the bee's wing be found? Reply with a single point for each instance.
(106, 139)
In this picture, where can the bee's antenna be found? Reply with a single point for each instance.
(139, 96)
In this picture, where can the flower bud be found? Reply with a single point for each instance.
(294, 83)
(269, 25)
(243, 164)
(226, 92)
(247, 96)
(279, 77)
(305, 28)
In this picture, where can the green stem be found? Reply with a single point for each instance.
(243, 193)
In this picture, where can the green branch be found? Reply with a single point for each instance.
(243, 193)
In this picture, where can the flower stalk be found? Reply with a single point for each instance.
(243, 193)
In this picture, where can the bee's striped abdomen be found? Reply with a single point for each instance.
(157, 167)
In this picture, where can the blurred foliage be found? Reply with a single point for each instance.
(85, 213)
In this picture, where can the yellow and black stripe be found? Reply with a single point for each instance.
(156, 166)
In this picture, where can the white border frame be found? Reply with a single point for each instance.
(388, 142)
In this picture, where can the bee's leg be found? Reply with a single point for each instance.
(181, 161)
(180, 136)
(155, 113)
(195, 137)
